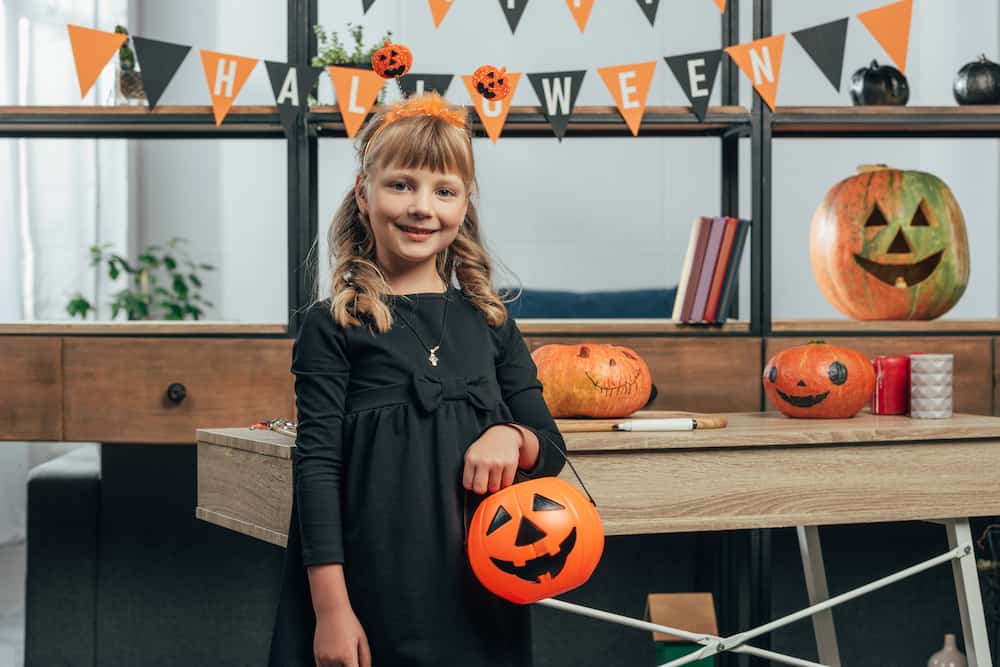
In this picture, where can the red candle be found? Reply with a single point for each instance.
(892, 385)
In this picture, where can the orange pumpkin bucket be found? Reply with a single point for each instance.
(535, 539)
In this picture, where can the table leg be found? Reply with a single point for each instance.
(815, 571)
(970, 600)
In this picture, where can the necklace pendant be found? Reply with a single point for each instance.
(434, 358)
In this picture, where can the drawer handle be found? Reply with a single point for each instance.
(176, 392)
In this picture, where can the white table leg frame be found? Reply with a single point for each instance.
(966, 583)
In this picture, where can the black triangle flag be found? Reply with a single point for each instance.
(416, 84)
(557, 92)
(367, 4)
(649, 8)
(512, 9)
(158, 61)
(696, 74)
(825, 45)
(291, 85)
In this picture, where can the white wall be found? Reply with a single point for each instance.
(587, 213)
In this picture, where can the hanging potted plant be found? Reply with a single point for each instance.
(128, 79)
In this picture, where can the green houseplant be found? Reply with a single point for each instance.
(331, 50)
(151, 295)
(128, 78)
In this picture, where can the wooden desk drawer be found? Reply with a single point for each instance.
(30, 388)
(700, 374)
(116, 388)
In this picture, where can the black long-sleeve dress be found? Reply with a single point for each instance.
(377, 472)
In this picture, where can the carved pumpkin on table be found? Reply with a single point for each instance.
(592, 380)
(889, 244)
(392, 60)
(819, 381)
(535, 539)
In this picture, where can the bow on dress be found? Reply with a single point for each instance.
(477, 390)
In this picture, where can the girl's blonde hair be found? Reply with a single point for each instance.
(358, 288)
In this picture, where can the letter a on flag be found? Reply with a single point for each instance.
(629, 86)
(92, 49)
(760, 60)
(890, 26)
(225, 74)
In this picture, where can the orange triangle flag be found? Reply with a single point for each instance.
(225, 74)
(721, 4)
(581, 12)
(92, 49)
(356, 91)
(629, 85)
(438, 9)
(492, 113)
(890, 26)
(760, 60)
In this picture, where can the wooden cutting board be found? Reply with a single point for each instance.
(587, 425)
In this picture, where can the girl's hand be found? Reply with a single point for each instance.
(340, 641)
(491, 461)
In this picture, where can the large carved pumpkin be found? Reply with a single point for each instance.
(534, 540)
(819, 381)
(592, 380)
(888, 244)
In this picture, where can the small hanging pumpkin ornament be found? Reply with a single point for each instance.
(392, 60)
(491, 82)
(534, 540)
(819, 381)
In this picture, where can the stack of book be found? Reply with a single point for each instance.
(711, 264)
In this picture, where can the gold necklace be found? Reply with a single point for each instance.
(432, 358)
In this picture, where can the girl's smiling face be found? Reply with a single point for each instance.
(415, 213)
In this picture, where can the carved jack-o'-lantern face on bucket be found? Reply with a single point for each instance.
(535, 539)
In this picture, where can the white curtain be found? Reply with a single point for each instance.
(59, 196)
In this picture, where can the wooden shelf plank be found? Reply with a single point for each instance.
(158, 327)
(529, 120)
(129, 121)
(979, 120)
(600, 326)
(928, 327)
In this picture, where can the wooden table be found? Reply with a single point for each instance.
(762, 471)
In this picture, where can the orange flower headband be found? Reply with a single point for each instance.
(428, 104)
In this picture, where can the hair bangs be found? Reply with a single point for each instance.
(426, 143)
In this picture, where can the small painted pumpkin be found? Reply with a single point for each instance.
(491, 82)
(888, 244)
(535, 539)
(592, 380)
(392, 60)
(879, 85)
(978, 82)
(819, 381)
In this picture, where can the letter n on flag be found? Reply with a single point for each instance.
(760, 60)
(225, 74)
(492, 113)
(629, 86)
(356, 91)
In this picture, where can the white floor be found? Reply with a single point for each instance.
(12, 560)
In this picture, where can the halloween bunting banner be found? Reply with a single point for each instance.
(557, 93)
(512, 11)
(291, 86)
(366, 5)
(417, 84)
(696, 74)
(92, 49)
(357, 89)
(158, 62)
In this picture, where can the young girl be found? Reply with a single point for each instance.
(414, 398)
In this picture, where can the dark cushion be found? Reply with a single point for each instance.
(652, 302)
(61, 579)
